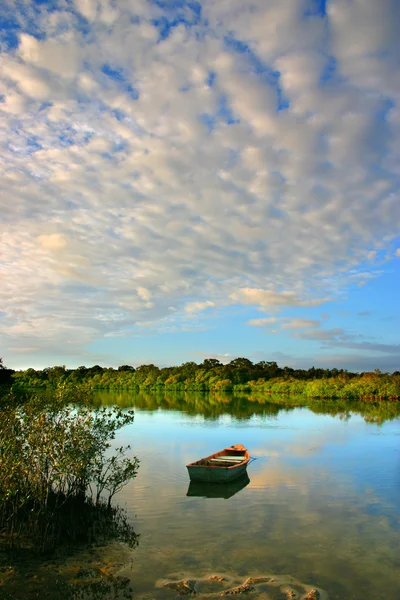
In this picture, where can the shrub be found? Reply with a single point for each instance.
(54, 459)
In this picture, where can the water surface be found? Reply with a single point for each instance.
(322, 502)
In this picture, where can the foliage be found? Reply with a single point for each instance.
(5, 377)
(211, 375)
(55, 464)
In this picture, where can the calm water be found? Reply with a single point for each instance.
(322, 503)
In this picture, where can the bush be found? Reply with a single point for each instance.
(54, 460)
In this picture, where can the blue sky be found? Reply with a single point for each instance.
(181, 180)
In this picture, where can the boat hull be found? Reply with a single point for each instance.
(223, 466)
(220, 475)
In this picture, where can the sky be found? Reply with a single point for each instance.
(191, 179)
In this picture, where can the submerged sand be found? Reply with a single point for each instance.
(263, 587)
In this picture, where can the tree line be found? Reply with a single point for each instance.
(240, 374)
(202, 376)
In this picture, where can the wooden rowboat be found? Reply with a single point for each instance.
(223, 466)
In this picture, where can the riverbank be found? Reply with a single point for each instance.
(369, 386)
(366, 387)
(89, 571)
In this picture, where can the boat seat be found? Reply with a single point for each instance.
(234, 459)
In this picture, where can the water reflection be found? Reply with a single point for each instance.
(218, 490)
(322, 504)
(245, 406)
(209, 406)
(87, 573)
(87, 570)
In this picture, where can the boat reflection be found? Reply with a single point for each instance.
(217, 490)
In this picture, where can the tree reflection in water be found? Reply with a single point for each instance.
(244, 406)
(80, 571)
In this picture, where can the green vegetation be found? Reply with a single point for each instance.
(57, 474)
(6, 378)
(240, 375)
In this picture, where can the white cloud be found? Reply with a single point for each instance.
(322, 335)
(193, 307)
(53, 241)
(300, 324)
(263, 322)
(285, 323)
(63, 59)
(143, 293)
(270, 298)
(29, 80)
(87, 8)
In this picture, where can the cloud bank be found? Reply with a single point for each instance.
(160, 159)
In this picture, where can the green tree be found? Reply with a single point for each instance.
(210, 363)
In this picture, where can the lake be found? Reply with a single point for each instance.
(320, 507)
(322, 503)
